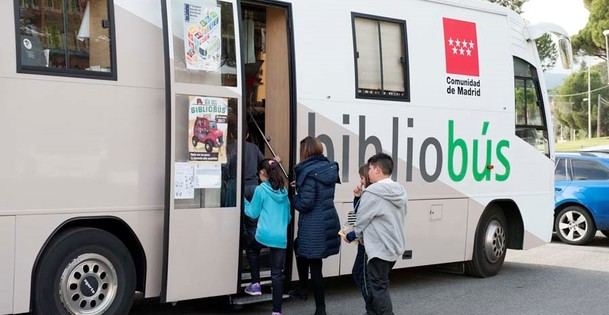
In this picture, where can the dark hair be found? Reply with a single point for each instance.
(273, 171)
(382, 161)
(363, 172)
(310, 146)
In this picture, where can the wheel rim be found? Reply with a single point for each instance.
(88, 285)
(494, 241)
(573, 226)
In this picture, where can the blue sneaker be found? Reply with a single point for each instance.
(254, 289)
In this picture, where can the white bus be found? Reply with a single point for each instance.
(123, 125)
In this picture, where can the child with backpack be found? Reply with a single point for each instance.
(271, 206)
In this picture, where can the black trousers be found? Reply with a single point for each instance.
(304, 265)
(252, 251)
(277, 276)
(358, 272)
(377, 285)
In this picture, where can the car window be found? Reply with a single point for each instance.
(560, 173)
(589, 170)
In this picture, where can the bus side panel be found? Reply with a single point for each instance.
(7, 263)
(434, 231)
(32, 231)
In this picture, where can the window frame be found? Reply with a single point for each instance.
(588, 161)
(405, 62)
(565, 168)
(84, 74)
(534, 77)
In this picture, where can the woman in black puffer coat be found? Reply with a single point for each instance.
(318, 222)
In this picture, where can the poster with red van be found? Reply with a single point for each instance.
(207, 129)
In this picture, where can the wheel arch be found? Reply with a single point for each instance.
(515, 224)
(113, 225)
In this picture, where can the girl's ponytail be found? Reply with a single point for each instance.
(273, 171)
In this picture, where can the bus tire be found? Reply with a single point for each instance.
(84, 270)
(569, 224)
(490, 244)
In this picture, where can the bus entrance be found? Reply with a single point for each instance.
(267, 100)
(223, 89)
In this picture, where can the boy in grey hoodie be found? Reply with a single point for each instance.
(380, 223)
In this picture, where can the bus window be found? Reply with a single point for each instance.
(530, 119)
(205, 55)
(71, 38)
(381, 65)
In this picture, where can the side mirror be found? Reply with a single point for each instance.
(566, 52)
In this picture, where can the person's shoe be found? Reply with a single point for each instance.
(298, 294)
(254, 289)
(277, 313)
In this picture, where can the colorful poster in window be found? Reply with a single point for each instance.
(207, 129)
(202, 37)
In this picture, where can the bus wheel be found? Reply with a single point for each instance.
(84, 271)
(490, 245)
(574, 226)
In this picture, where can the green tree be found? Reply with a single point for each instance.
(547, 51)
(515, 5)
(571, 106)
(590, 40)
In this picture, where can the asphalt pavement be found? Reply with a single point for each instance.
(552, 279)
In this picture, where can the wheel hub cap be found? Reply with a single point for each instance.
(88, 285)
(572, 225)
(494, 241)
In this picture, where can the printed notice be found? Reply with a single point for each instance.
(202, 37)
(184, 181)
(208, 175)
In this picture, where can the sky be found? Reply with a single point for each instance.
(570, 14)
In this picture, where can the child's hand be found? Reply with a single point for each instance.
(343, 236)
(357, 192)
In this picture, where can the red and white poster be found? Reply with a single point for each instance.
(461, 47)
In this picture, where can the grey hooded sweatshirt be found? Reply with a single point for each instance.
(380, 220)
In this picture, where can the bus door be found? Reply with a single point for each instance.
(203, 158)
(269, 116)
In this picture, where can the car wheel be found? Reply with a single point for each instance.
(605, 232)
(574, 226)
(490, 245)
(194, 142)
(209, 146)
(84, 271)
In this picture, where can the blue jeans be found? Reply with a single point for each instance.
(277, 276)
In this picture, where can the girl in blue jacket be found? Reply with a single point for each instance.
(271, 206)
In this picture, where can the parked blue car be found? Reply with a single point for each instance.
(581, 184)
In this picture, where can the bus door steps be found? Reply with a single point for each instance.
(264, 274)
(247, 299)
